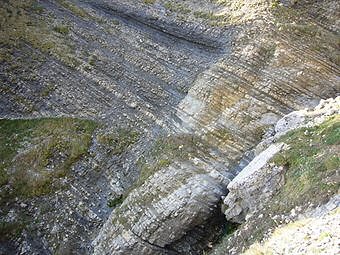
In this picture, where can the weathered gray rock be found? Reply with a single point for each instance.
(308, 117)
(161, 211)
(159, 70)
(254, 186)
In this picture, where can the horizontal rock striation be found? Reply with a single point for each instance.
(160, 19)
(111, 66)
(270, 70)
(210, 76)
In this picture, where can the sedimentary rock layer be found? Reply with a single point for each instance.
(200, 81)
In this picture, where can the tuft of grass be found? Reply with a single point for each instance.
(177, 7)
(93, 60)
(36, 7)
(35, 153)
(47, 90)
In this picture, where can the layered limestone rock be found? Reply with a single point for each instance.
(289, 182)
(88, 59)
(148, 220)
(230, 105)
(220, 71)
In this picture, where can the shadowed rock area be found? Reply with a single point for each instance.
(176, 93)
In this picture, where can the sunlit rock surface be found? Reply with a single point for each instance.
(215, 72)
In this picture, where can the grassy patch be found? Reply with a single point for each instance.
(149, 1)
(313, 156)
(177, 7)
(13, 229)
(80, 12)
(22, 23)
(34, 154)
(118, 141)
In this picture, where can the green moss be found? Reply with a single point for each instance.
(35, 153)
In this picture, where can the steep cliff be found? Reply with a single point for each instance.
(178, 94)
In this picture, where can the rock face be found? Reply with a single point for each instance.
(234, 100)
(220, 73)
(163, 210)
(260, 179)
(253, 185)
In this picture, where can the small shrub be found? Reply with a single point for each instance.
(92, 60)
(114, 202)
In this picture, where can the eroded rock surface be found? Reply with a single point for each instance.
(218, 72)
